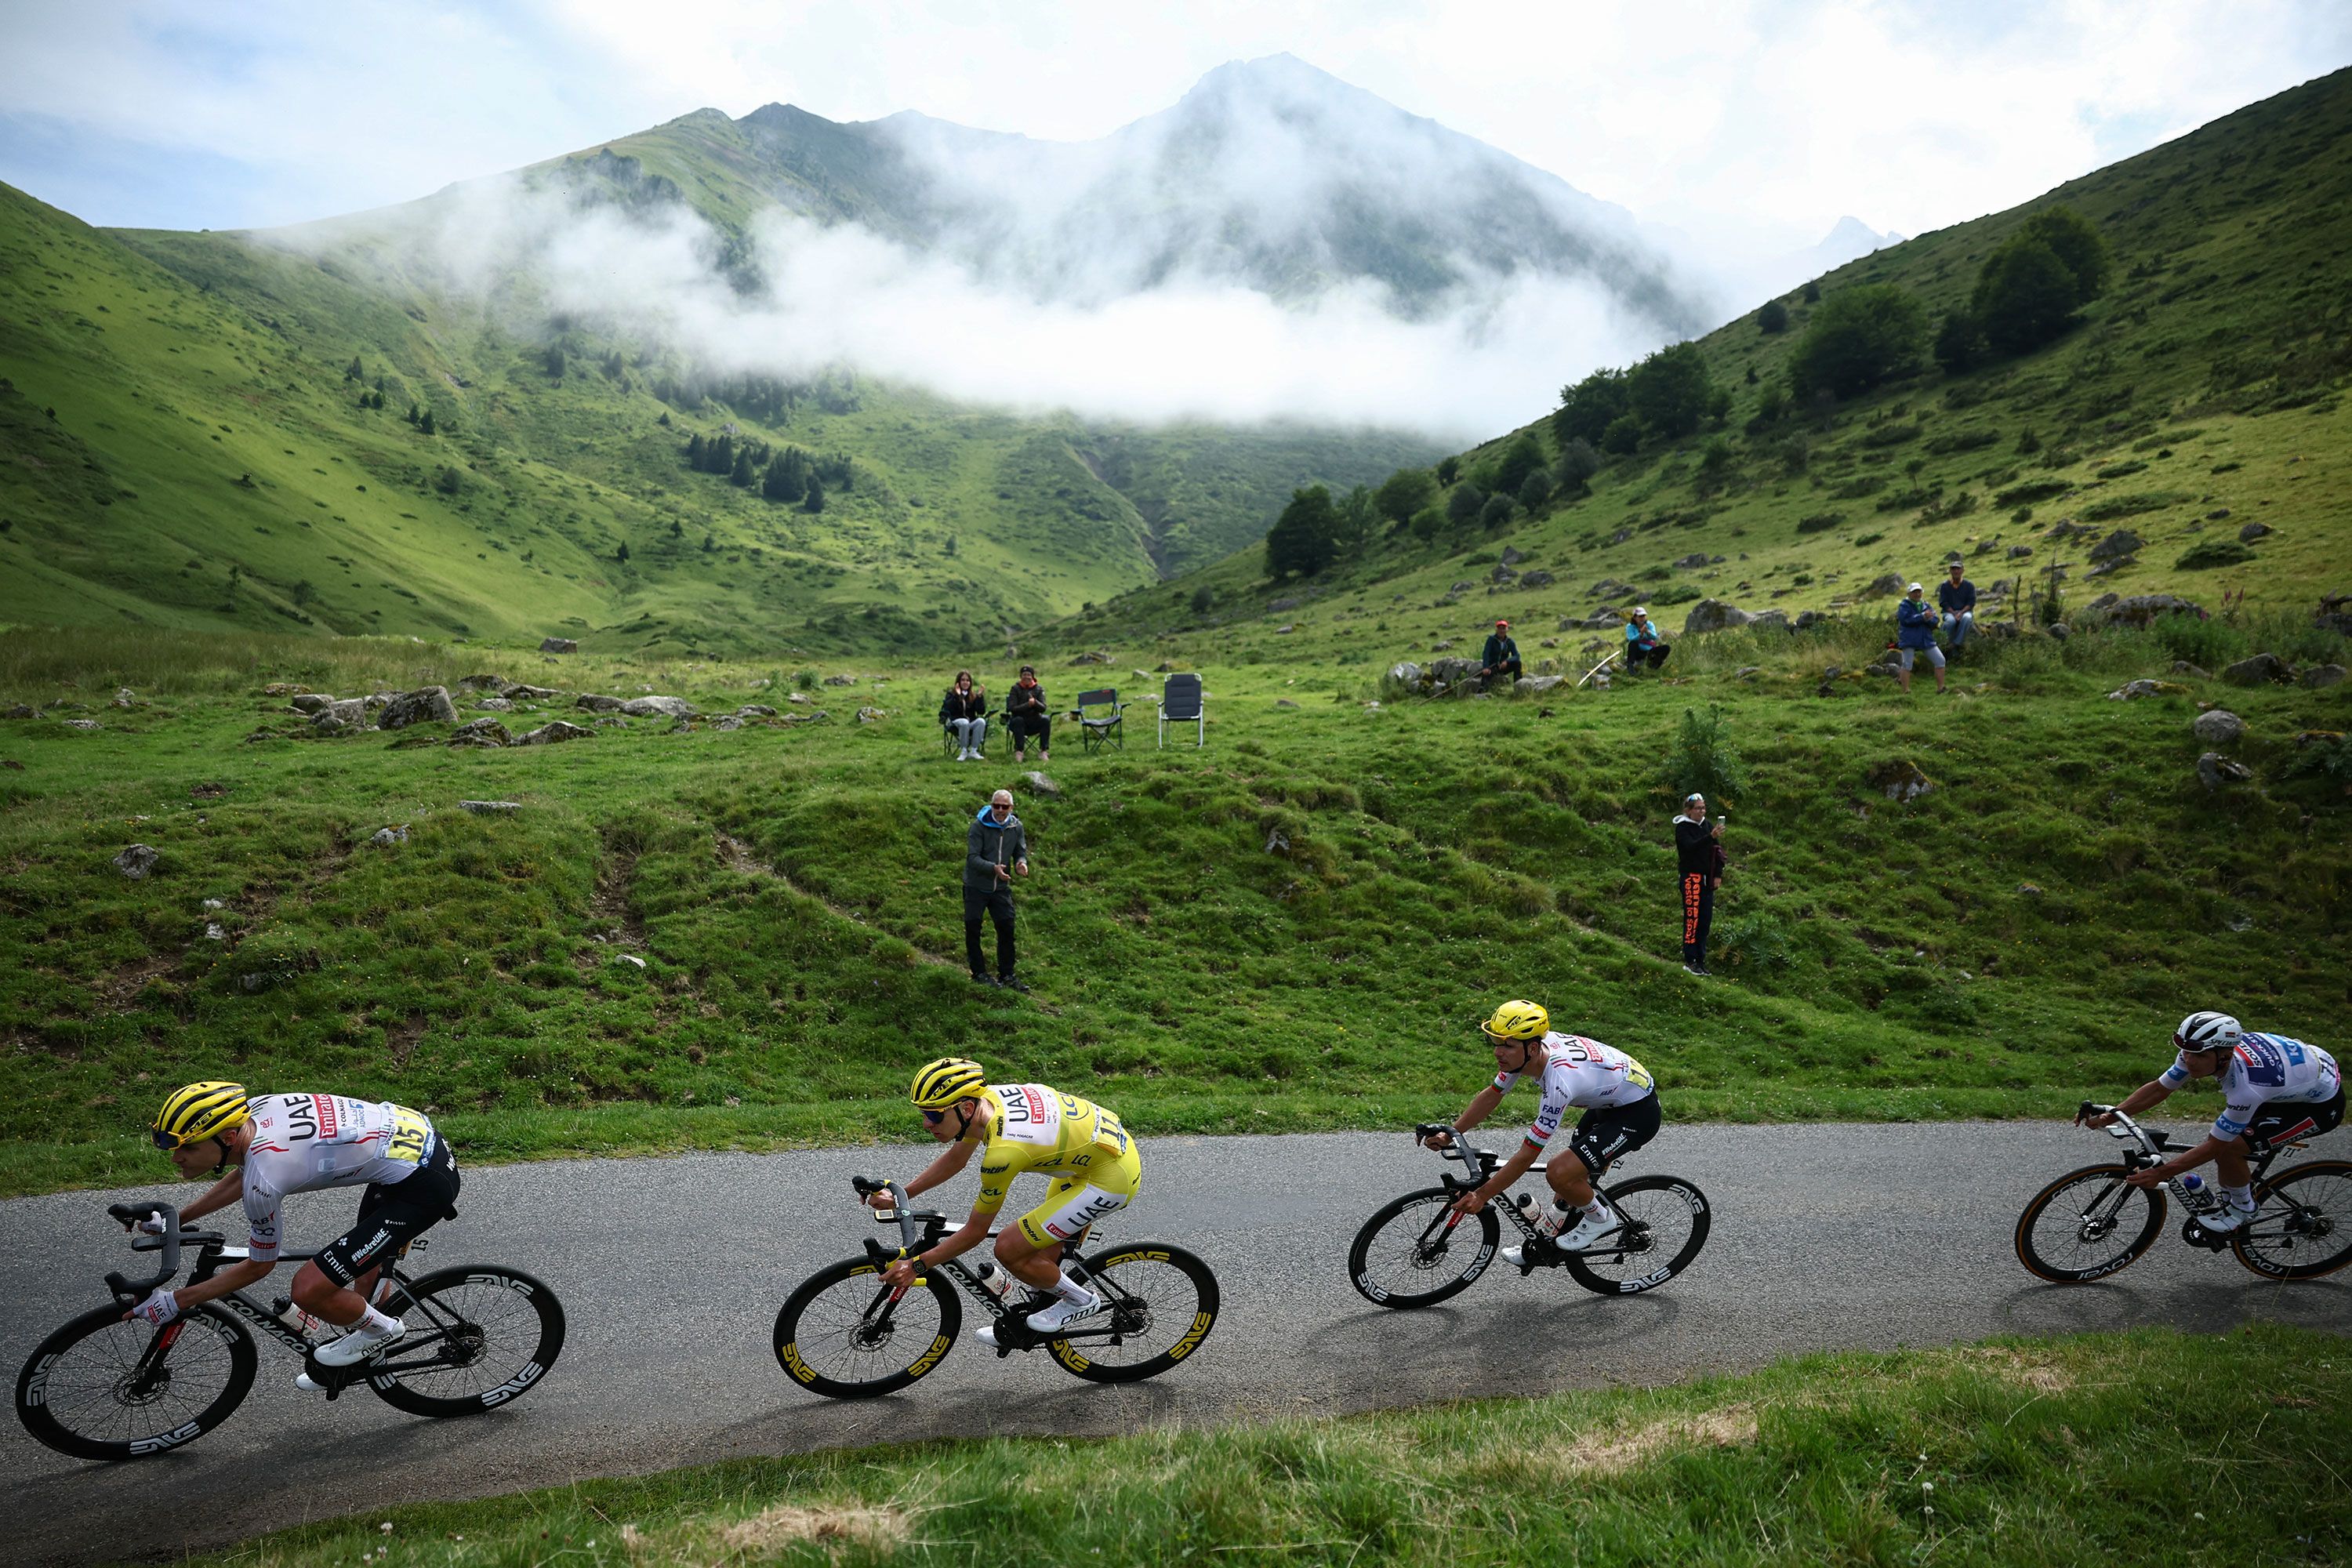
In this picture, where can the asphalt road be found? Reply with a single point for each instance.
(671, 1272)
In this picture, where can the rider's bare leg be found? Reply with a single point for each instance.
(1568, 1183)
(2230, 1164)
(324, 1298)
(1038, 1268)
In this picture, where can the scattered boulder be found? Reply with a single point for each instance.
(1696, 558)
(2029, 890)
(519, 692)
(137, 861)
(1501, 574)
(2218, 726)
(2058, 631)
(818, 716)
(1406, 671)
(1096, 657)
(492, 683)
(490, 807)
(1809, 618)
(1713, 616)
(481, 732)
(852, 680)
(1039, 784)
(1441, 646)
(1880, 586)
(2249, 533)
(1530, 685)
(2132, 690)
(1775, 620)
(1463, 586)
(310, 702)
(1283, 702)
(347, 713)
(649, 707)
(558, 645)
(865, 715)
(2139, 610)
(426, 705)
(283, 689)
(1283, 631)
(385, 838)
(755, 710)
(85, 725)
(2214, 770)
(2122, 542)
(494, 705)
(2260, 670)
(1281, 605)
(1898, 778)
(2017, 552)
(1165, 667)
(1535, 580)
(2182, 667)
(725, 723)
(2319, 674)
(1451, 672)
(1747, 672)
(21, 711)
(1512, 555)
(1620, 536)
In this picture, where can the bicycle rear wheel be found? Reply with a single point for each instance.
(2086, 1225)
(1666, 1221)
(477, 1338)
(841, 1336)
(1410, 1254)
(2302, 1227)
(103, 1387)
(1163, 1303)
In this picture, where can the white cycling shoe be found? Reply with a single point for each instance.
(358, 1345)
(1061, 1312)
(1587, 1229)
(2231, 1218)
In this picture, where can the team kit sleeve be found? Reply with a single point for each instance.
(262, 1202)
(2176, 1075)
(1549, 1114)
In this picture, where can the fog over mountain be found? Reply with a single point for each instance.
(1277, 245)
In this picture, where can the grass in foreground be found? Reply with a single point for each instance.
(2138, 1448)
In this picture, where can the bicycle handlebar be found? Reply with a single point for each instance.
(131, 1293)
(866, 1188)
(1472, 1157)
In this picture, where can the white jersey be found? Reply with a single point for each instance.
(1581, 1073)
(305, 1142)
(2266, 1070)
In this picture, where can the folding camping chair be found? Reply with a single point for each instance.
(1103, 729)
(1181, 704)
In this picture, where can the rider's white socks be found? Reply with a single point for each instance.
(1557, 1216)
(1070, 1290)
(2241, 1198)
(375, 1322)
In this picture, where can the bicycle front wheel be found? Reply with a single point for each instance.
(1666, 1221)
(841, 1335)
(477, 1338)
(104, 1387)
(1412, 1254)
(1163, 1303)
(2302, 1227)
(2086, 1225)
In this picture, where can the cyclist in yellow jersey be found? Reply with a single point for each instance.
(1017, 1127)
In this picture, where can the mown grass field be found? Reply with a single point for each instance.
(2137, 1448)
(1293, 928)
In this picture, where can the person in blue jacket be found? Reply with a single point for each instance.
(1915, 633)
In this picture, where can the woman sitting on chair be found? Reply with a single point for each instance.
(1025, 715)
(964, 710)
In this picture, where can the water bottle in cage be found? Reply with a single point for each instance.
(2198, 1198)
(994, 1280)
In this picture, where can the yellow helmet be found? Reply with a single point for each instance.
(198, 1111)
(942, 1083)
(1518, 1021)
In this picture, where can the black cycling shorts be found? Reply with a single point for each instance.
(391, 1216)
(1607, 1133)
(2289, 1122)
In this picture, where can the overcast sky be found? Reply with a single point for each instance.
(1740, 121)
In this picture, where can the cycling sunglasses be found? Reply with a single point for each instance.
(171, 1142)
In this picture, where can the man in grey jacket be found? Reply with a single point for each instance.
(994, 848)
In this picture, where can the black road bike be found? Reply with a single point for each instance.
(1415, 1252)
(846, 1334)
(108, 1385)
(2088, 1223)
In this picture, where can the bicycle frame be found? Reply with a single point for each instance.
(213, 1250)
(2152, 1146)
(1485, 1163)
(1013, 1330)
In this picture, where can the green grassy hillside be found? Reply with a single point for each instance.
(190, 450)
(2203, 393)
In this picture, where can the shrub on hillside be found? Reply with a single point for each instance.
(1523, 456)
(1757, 940)
(2034, 490)
(1702, 757)
(2113, 507)
(1498, 511)
(1306, 537)
(2212, 553)
(1960, 344)
(1463, 504)
(1535, 490)
(1859, 338)
(1773, 318)
(1449, 469)
(1404, 493)
(1623, 434)
(1578, 461)
(1588, 408)
(2025, 297)
(1670, 391)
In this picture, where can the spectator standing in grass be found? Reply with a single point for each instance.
(1642, 643)
(1957, 597)
(964, 710)
(1698, 863)
(1914, 634)
(1499, 657)
(1025, 715)
(996, 846)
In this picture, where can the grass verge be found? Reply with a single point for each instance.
(2136, 1448)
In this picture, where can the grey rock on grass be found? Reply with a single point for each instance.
(425, 705)
(2218, 726)
(137, 861)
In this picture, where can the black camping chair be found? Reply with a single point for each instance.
(1104, 728)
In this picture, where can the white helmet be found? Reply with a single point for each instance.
(2207, 1031)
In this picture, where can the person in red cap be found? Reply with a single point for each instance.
(1500, 656)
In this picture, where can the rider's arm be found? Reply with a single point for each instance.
(1482, 1105)
(951, 1160)
(957, 1242)
(235, 1277)
(2154, 1091)
(220, 1195)
(2189, 1158)
(1511, 1170)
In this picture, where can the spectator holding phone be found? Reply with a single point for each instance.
(1914, 634)
(1698, 863)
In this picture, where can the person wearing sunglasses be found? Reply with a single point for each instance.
(283, 1144)
(1015, 1129)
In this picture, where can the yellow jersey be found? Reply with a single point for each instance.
(1038, 1128)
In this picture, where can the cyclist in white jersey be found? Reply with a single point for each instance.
(283, 1144)
(2273, 1087)
(1616, 1093)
